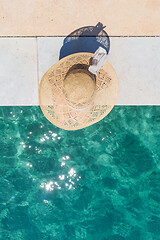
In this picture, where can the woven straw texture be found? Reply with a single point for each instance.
(54, 106)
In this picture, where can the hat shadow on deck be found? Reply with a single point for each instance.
(85, 39)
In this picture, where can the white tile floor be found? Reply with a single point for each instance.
(18, 72)
(136, 61)
(48, 52)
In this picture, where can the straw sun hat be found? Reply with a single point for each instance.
(72, 98)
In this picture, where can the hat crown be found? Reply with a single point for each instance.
(79, 88)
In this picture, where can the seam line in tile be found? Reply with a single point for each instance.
(36, 36)
(37, 61)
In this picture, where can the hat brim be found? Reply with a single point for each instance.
(54, 106)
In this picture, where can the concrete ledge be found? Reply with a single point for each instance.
(23, 61)
(18, 72)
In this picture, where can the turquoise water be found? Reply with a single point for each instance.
(98, 183)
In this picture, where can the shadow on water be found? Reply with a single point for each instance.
(85, 39)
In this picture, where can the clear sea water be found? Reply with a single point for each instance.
(98, 183)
